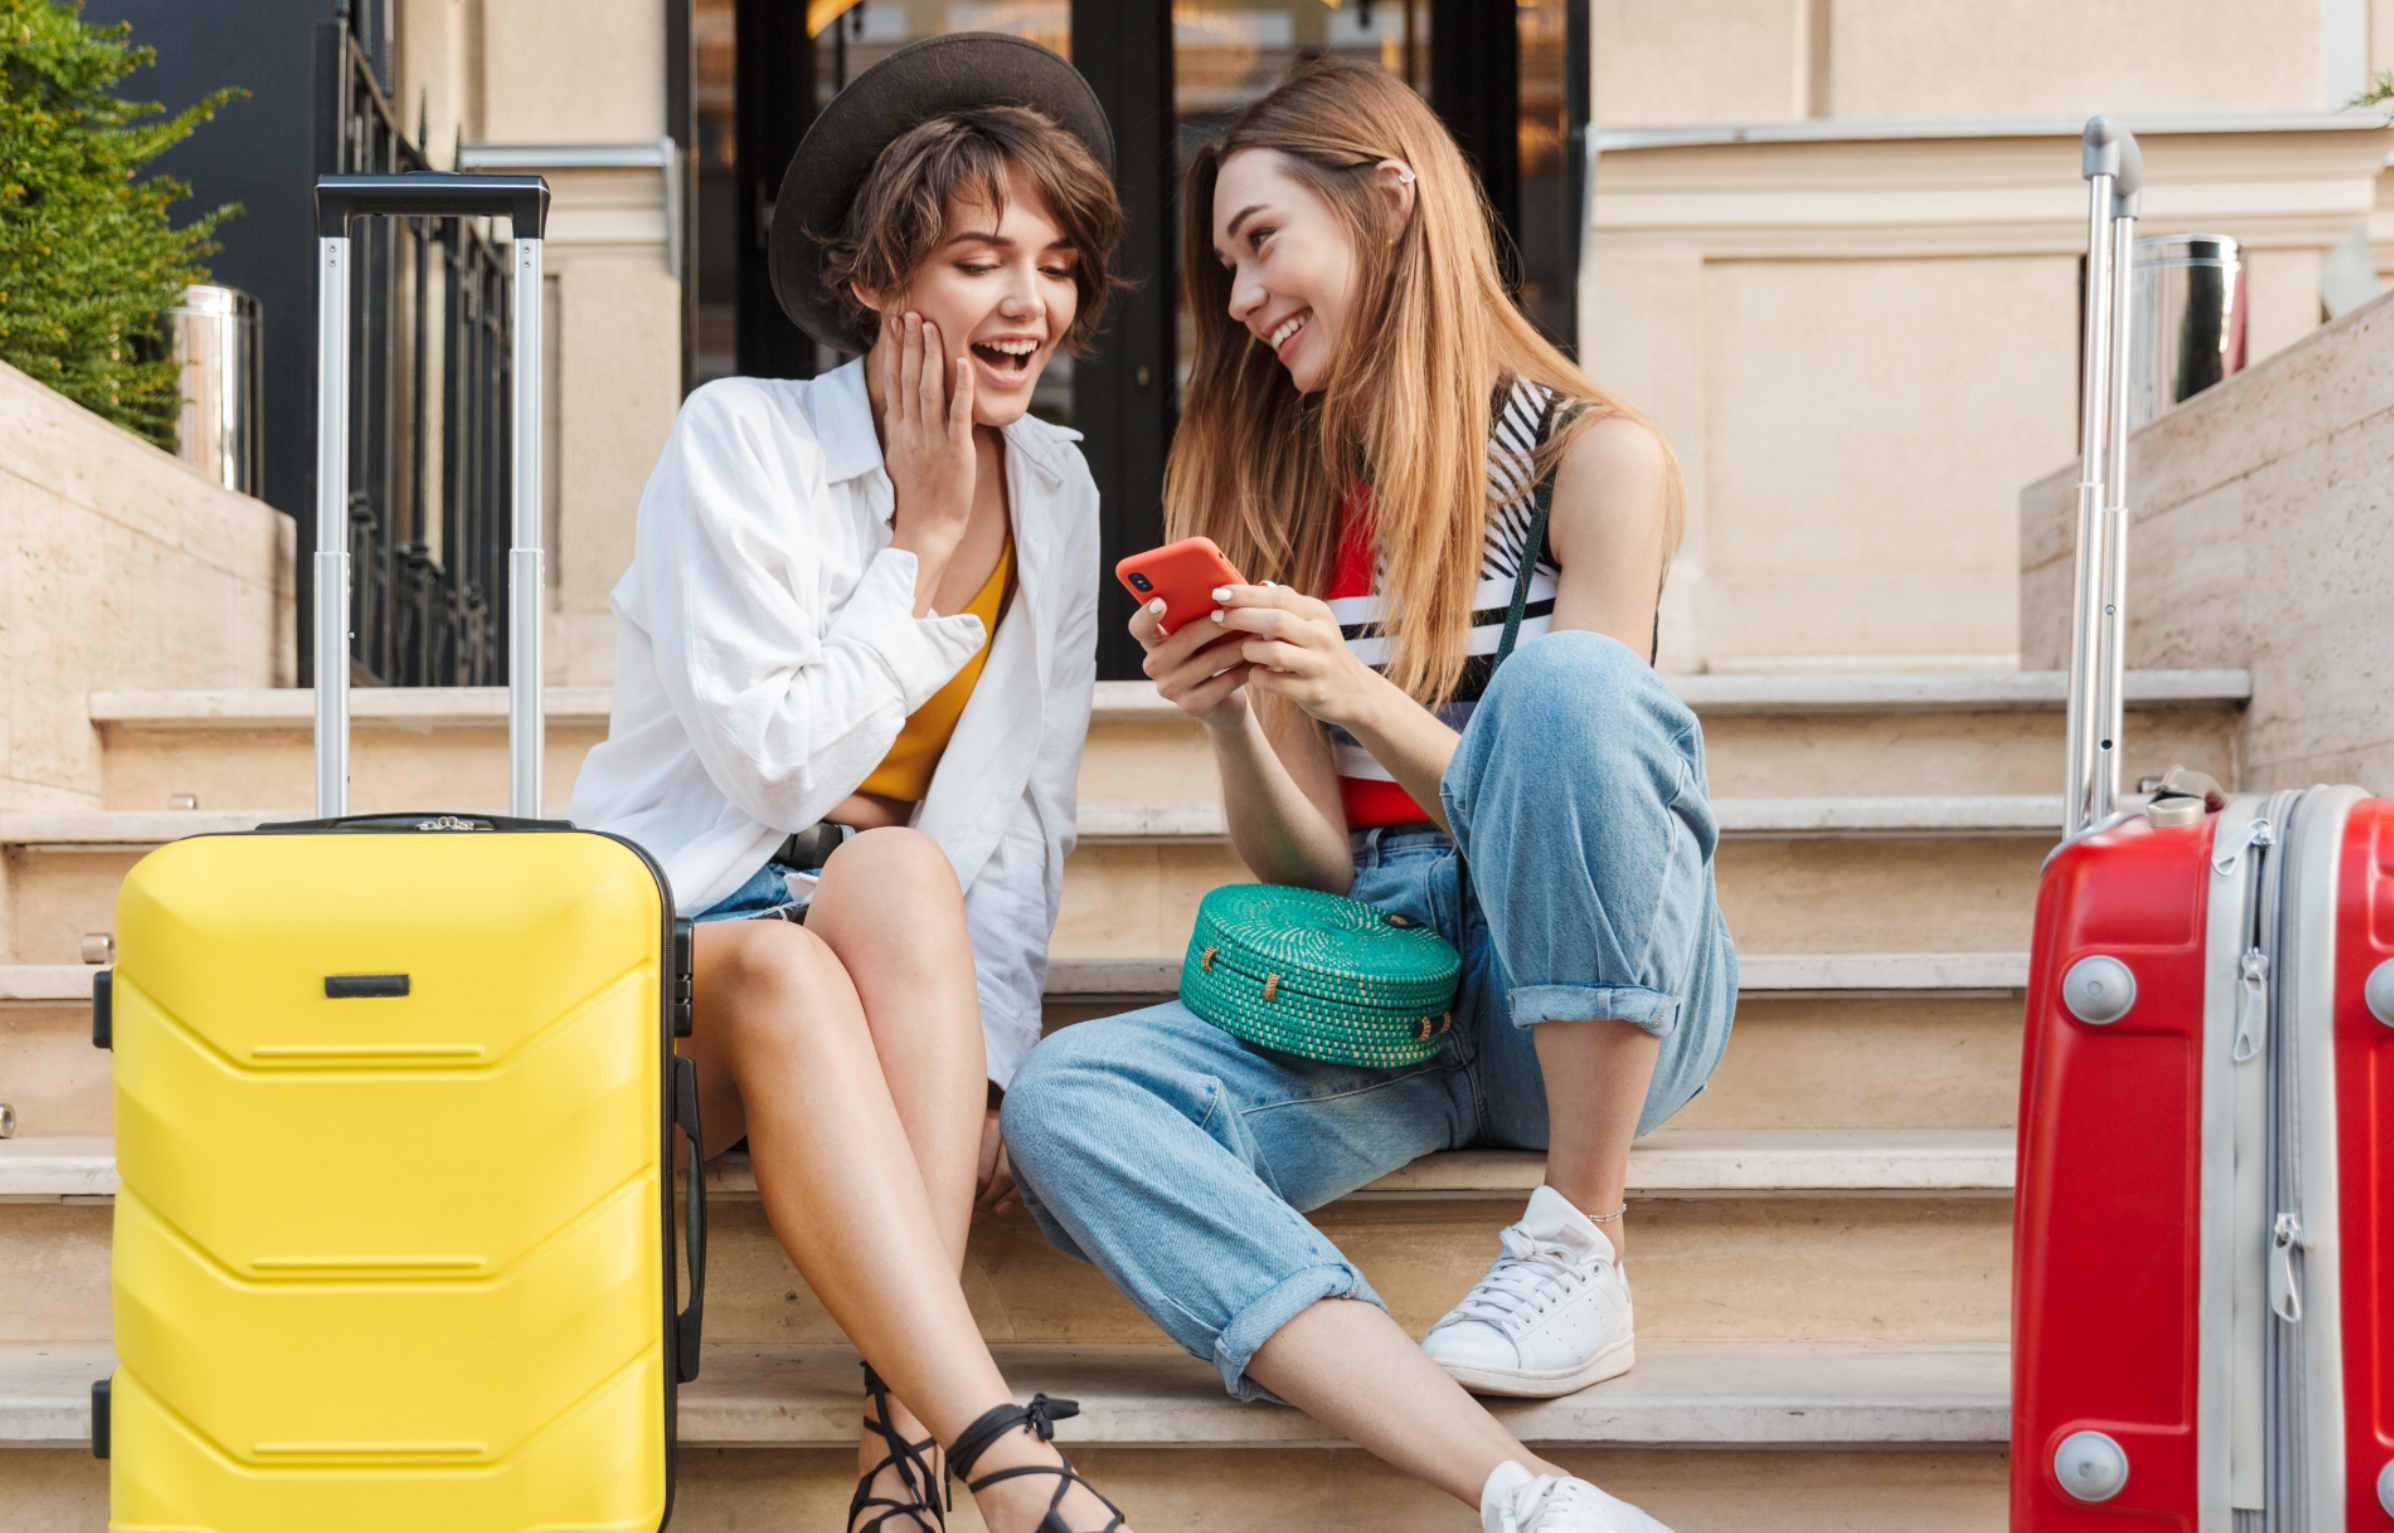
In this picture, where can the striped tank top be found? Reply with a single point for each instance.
(1524, 417)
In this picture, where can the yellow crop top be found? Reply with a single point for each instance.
(905, 773)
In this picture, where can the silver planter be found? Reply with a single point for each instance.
(2188, 310)
(215, 336)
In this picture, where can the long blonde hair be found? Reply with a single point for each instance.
(1408, 405)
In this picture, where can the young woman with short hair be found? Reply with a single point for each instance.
(856, 653)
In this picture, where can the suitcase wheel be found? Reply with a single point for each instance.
(2091, 1467)
(2099, 990)
(2379, 993)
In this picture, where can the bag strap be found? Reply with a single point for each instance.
(1533, 548)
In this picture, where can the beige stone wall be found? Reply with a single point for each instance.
(125, 568)
(2262, 536)
(1862, 344)
(1861, 337)
(1906, 59)
(1669, 62)
(1860, 347)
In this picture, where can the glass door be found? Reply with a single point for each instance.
(1228, 54)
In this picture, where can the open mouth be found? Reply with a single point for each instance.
(1290, 328)
(1007, 357)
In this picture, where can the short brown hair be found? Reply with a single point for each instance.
(899, 216)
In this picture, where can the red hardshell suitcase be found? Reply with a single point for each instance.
(2203, 1263)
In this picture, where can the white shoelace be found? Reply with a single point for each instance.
(1518, 1288)
(1551, 1494)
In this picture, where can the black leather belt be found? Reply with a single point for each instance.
(809, 849)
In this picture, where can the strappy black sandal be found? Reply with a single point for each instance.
(921, 1482)
(1041, 1416)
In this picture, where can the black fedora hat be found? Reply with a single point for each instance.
(920, 81)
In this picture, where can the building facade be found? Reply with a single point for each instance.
(1832, 246)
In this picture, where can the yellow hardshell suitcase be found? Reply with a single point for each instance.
(395, 1107)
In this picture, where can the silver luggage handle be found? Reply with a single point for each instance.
(524, 202)
(2114, 168)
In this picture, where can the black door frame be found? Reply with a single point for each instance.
(1124, 397)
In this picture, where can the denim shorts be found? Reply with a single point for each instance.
(766, 894)
(1578, 886)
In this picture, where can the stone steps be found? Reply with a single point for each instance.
(1787, 1439)
(1745, 1237)
(1824, 875)
(1765, 736)
(1865, 1040)
(1820, 1243)
(1672, 1163)
(1677, 1397)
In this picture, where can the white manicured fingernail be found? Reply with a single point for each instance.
(1221, 593)
(1217, 614)
(1156, 606)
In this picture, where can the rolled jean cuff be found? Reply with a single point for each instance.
(1260, 1321)
(1652, 1010)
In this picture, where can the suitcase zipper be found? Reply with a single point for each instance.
(2285, 1283)
(2252, 1008)
(2258, 834)
(2252, 1418)
(2286, 1371)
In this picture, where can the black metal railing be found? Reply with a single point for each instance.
(428, 562)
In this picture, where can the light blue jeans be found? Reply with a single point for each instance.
(1180, 1161)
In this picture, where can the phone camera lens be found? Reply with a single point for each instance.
(1141, 581)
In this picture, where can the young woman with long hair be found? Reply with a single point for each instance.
(1368, 431)
(857, 647)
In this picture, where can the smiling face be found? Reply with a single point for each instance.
(1291, 262)
(1000, 287)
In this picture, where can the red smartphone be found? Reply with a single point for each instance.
(1184, 574)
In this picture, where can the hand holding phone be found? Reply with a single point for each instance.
(1199, 671)
(1184, 574)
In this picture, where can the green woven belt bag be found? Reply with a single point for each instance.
(1301, 972)
(1323, 977)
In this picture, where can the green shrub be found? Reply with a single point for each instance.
(89, 263)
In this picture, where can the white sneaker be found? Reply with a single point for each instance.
(1514, 1501)
(1550, 1317)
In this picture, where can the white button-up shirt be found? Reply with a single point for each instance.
(768, 656)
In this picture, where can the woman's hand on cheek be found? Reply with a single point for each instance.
(1194, 666)
(926, 434)
(1297, 651)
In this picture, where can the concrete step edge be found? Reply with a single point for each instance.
(292, 708)
(2006, 815)
(1694, 1396)
(1675, 1164)
(1760, 975)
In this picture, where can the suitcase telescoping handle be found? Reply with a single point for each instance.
(2115, 173)
(524, 202)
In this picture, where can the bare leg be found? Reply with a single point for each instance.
(1596, 1079)
(1351, 1368)
(889, 907)
(781, 1029)
(785, 1055)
